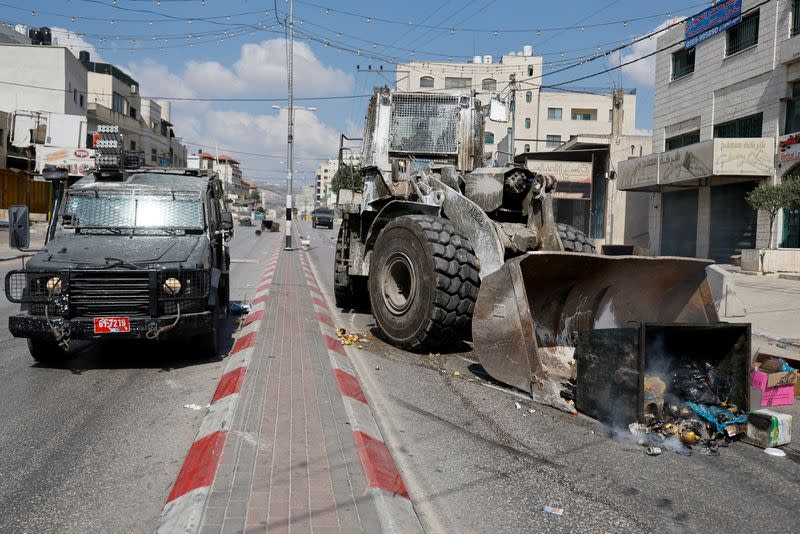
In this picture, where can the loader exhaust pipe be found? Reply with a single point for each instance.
(529, 311)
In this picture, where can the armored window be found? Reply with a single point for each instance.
(527, 122)
(528, 96)
(426, 82)
(489, 84)
(682, 63)
(744, 35)
(554, 114)
(488, 138)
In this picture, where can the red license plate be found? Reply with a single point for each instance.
(111, 325)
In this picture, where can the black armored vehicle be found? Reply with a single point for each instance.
(128, 254)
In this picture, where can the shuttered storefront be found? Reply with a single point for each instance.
(679, 223)
(733, 221)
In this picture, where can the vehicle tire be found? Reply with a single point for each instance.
(45, 350)
(423, 283)
(349, 292)
(574, 240)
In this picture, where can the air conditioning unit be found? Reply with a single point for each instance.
(134, 89)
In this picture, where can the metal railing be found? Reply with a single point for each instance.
(744, 35)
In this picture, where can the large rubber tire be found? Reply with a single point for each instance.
(45, 350)
(423, 283)
(574, 240)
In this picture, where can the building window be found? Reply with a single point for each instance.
(530, 70)
(527, 148)
(682, 63)
(81, 99)
(508, 131)
(527, 122)
(117, 103)
(426, 82)
(457, 83)
(584, 114)
(554, 114)
(153, 155)
(133, 113)
(489, 84)
(749, 126)
(553, 140)
(793, 110)
(75, 96)
(791, 228)
(133, 145)
(488, 138)
(529, 94)
(688, 138)
(2, 137)
(795, 17)
(743, 35)
(610, 115)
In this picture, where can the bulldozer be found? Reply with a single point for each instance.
(444, 249)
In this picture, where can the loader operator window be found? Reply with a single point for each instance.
(90, 210)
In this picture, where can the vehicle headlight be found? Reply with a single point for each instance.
(172, 286)
(54, 286)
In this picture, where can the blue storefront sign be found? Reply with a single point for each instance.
(712, 21)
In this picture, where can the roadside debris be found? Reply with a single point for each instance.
(350, 339)
(774, 452)
(517, 405)
(237, 308)
(653, 451)
(768, 429)
(553, 510)
(194, 406)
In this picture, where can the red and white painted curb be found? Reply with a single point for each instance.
(384, 482)
(186, 502)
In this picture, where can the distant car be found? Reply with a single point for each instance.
(322, 217)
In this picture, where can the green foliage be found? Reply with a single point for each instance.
(347, 177)
(773, 198)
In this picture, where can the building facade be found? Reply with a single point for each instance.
(323, 192)
(229, 173)
(543, 120)
(723, 112)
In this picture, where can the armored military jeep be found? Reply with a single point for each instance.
(128, 254)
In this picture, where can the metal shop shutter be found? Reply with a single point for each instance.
(733, 221)
(679, 223)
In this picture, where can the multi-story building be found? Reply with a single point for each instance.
(726, 118)
(145, 124)
(543, 120)
(229, 173)
(324, 194)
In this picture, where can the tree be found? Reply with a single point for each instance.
(347, 177)
(773, 198)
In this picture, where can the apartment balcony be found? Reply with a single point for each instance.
(102, 115)
(699, 164)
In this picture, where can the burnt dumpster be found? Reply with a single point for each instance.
(653, 373)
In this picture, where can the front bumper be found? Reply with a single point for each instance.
(32, 326)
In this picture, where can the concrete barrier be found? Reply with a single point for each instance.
(723, 288)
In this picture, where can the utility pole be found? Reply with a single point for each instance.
(290, 137)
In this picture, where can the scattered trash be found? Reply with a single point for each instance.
(377, 367)
(360, 346)
(772, 451)
(349, 339)
(531, 410)
(517, 405)
(653, 450)
(237, 308)
(193, 406)
(553, 510)
(456, 373)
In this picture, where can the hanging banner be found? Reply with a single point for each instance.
(713, 21)
(789, 147)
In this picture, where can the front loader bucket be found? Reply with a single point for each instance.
(528, 311)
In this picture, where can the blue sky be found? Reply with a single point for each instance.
(235, 49)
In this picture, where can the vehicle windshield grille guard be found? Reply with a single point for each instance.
(132, 209)
(111, 291)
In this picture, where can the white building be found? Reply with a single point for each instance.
(229, 173)
(721, 109)
(544, 119)
(323, 192)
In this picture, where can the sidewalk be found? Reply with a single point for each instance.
(289, 462)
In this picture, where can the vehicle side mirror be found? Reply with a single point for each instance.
(19, 227)
(227, 221)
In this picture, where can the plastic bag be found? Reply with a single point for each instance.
(719, 417)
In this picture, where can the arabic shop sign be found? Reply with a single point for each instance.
(789, 147)
(713, 21)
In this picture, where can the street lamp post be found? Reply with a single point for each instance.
(290, 154)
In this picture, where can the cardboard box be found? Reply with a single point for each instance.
(768, 428)
(770, 386)
(777, 396)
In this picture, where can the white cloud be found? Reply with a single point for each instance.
(643, 71)
(74, 42)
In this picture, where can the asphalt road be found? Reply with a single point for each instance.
(94, 445)
(474, 462)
